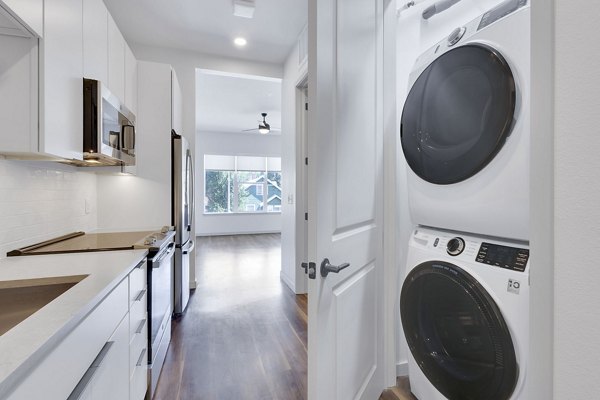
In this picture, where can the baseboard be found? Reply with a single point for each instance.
(402, 369)
(287, 281)
(236, 233)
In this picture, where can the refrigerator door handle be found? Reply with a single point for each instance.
(191, 192)
(188, 247)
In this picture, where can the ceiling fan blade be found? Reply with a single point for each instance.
(249, 130)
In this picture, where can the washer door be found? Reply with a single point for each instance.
(456, 333)
(458, 114)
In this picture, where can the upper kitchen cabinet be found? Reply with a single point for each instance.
(61, 71)
(116, 60)
(130, 80)
(95, 40)
(176, 104)
(30, 13)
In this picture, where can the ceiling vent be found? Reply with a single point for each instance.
(243, 8)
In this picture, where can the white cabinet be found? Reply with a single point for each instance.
(116, 60)
(176, 104)
(61, 64)
(107, 377)
(130, 80)
(95, 40)
(29, 12)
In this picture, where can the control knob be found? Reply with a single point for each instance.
(455, 246)
(456, 35)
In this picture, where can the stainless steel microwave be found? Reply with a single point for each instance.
(108, 127)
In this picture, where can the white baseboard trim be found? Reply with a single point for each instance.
(235, 233)
(287, 281)
(402, 369)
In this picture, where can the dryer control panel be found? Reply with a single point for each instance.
(513, 258)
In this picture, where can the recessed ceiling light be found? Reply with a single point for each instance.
(240, 41)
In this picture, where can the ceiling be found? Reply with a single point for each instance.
(209, 26)
(233, 103)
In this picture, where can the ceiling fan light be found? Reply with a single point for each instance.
(263, 129)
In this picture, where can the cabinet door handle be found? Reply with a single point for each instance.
(140, 327)
(91, 371)
(141, 358)
(141, 264)
(140, 295)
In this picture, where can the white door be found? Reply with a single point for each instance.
(346, 199)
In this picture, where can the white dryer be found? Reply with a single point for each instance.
(465, 127)
(464, 307)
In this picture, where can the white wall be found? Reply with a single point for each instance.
(415, 35)
(39, 201)
(292, 212)
(234, 144)
(577, 201)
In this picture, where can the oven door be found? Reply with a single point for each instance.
(159, 305)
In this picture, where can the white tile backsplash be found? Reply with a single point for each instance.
(41, 200)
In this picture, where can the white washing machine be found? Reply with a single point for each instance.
(465, 127)
(464, 307)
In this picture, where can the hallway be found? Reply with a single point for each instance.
(244, 333)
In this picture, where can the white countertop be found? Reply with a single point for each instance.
(22, 347)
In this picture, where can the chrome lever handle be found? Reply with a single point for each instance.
(326, 268)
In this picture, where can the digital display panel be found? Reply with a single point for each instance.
(501, 11)
(503, 256)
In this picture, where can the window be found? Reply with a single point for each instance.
(241, 184)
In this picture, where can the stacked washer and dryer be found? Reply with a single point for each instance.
(464, 303)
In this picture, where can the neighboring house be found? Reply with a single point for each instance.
(254, 200)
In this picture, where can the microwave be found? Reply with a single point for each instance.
(108, 127)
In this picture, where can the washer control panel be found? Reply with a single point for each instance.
(501, 11)
(512, 258)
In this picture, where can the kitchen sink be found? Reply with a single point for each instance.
(19, 299)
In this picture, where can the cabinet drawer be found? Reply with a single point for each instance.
(137, 315)
(137, 282)
(139, 383)
(76, 352)
(139, 345)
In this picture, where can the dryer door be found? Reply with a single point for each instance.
(458, 114)
(456, 333)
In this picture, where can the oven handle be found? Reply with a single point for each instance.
(189, 247)
(168, 253)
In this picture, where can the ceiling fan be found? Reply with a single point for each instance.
(263, 126)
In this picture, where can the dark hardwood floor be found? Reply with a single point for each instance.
(399, 392)
(244, 333)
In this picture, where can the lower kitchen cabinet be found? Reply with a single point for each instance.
(103, 357)
(108, 376)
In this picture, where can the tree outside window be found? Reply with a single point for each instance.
(242, 184)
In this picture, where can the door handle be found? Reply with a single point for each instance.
(310, 269)
(326, 268)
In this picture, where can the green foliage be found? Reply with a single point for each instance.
(218, 184)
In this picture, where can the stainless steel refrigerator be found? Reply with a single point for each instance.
(182, 218)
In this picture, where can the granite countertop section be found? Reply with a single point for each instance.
(23, 346)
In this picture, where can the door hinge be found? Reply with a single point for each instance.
(306, 160)
(306, 216)
(306, 106)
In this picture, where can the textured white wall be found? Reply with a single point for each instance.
(39, 201)
(577, 201)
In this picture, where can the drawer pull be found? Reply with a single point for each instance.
(140, 295)
(89, 374)
(141, 358)
(140, 327)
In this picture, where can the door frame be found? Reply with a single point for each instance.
(302, 183)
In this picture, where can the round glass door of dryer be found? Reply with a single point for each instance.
(458, 114)
(457, 334)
